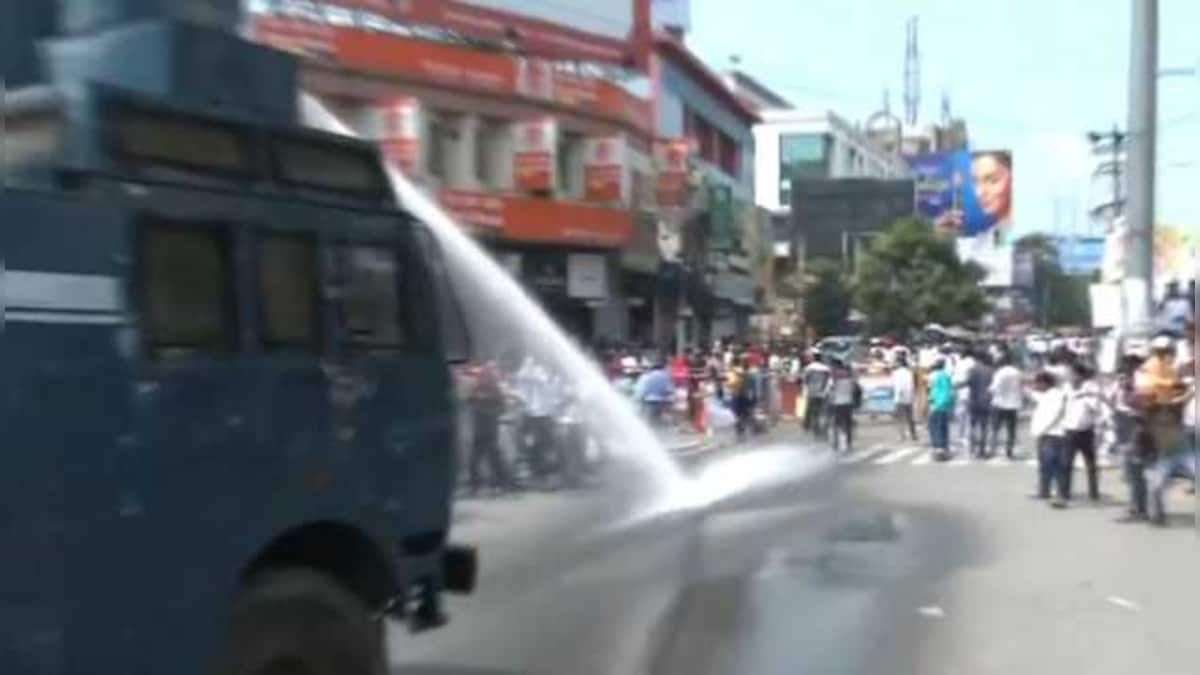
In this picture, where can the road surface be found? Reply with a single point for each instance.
(879, 562)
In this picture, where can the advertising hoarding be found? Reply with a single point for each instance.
(615, 32)
(969, 194)
(535, 161)
(587, 276)
(399, 132)
(1080, 255)
(604, 169)
(671, 162)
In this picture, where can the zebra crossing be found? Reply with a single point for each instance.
(919, 455)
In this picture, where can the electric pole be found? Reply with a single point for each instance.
(1138, 284)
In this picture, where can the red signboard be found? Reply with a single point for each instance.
(671, 161)
(564, 38)
(400, 132)
(604, 169)
(535, 160)
(456, 67)
(531, 219)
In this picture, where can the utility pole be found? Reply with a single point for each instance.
(1138, 284)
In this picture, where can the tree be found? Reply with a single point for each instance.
(826, 297)
(910, 276)
(1059, 299)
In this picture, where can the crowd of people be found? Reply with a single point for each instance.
(972, 397)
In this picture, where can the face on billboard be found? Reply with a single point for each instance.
(991, 174)
(966, 193)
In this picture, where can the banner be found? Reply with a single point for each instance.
(968, 193)
(399, 133)
(671, 161)
(604, 169)
(1106, 305)
(536, 160)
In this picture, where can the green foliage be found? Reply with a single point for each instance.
(826, 297)
(1059, 299)
(911, 276)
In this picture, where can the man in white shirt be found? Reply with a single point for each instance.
(903, 389)
(962, 375)
(1048, 427)
(816, 378)
(1084, 405)
(1007, 398)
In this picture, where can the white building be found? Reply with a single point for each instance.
(805, 144)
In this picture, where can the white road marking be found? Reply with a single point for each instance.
(932, 611)
(959, 460)
(1124, 604)
(899, 455)
(924, 459)
(864, 456)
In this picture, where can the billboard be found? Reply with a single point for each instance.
(615, 32)
(969, 194)
(1080, 255)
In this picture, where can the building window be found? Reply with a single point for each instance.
(489, 150)
(443, 132)
(570, 164)
(730, 156)
(801, 156)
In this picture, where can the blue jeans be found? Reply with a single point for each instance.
(939, 429)
(1181, 464)
(1051, 465)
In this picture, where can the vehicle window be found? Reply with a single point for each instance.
(288, 282)
(186, 296)
(371, 310)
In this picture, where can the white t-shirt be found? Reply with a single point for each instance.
(1006, 388)
(1083, 407)
(962, 371)
(902, 385)
(1048, 416)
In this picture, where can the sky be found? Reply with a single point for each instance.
(1033, 76)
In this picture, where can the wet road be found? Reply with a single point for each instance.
(849, 569)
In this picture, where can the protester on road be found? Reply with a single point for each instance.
(655, 392)
(816, 385)
(486, 399)
(844, 395)
(1164, 394)
(1084, 406)
(1048, 427)
(941, 407)
(961, 373)
(536, 388)
(904, 385)
(1007, 398)
(739, 388)
(979, 404)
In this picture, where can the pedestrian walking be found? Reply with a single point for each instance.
(1133, 440)
(1007, 398)
(535, 388)
(1165, 394)
(739, 387)
(904, 384)
(486, 400)
(816, 379)
(844, 395)
(1047, 426)
(655, 392)
(941, 408)
(1084, 406)
(979, 404)
(961, 372)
